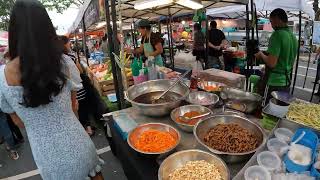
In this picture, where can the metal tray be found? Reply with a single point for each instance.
(288, 119)
(282, 123)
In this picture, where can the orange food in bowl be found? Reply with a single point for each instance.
(190, 114)
(212, 88)
(154, 141)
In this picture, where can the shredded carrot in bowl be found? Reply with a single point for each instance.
(155, 141)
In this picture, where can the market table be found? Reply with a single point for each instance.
(138, 167)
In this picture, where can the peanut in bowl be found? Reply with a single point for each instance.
(193, 164)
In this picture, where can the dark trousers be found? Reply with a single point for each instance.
(84, 112)
(213, 62)
(17, 135)
(318, 75)
(5, 131)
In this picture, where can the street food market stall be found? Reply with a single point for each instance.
(94, 14)
(211, 123)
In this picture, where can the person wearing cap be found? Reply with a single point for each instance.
(280, 56)
(151, 43)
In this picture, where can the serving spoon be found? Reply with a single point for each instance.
(155, 99)
(187, 119)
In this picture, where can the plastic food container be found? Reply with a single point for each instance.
(269, 160)
(310, 140)
(277, 146)
(257, 172)
(276, 108)
(283, 134)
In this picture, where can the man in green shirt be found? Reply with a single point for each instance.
(281, 54)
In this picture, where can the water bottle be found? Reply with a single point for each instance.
(152, 71)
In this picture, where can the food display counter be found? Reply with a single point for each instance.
(135, 165)
(235, 139)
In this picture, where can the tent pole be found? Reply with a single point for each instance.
(171, 41)
(247, 39)
(207, 41)
(310, 50)
(133, 34)
(256, 15)
(111, 49)
(84, 40)
(77, 46)
(169, 37)
(122, 55)
(253, 20)
(298, 54)
(117, 52)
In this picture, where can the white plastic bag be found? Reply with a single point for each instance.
(196, 68)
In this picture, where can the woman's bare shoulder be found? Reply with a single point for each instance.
(12, 72)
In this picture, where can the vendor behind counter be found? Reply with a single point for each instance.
(151, 43)
(280, 57)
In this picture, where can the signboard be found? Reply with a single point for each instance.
(316, 33)
(94, 13)
(91, 15)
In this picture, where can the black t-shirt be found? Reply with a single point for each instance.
(216, 36)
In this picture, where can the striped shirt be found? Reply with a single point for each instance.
(81, 94)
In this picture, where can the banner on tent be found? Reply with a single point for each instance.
(94, 13)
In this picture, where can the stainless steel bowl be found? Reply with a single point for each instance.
(202, 84)
(202, 98)
(136, 133)
(156, 86)
(180, 158)
(180, 111)
(202, 127)
(240, 100)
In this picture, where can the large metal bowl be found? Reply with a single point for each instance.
(202, 98)
(202, 127)
(134, 135)
(240, 100)
(180, 158)
(156, 86)
(180, 111)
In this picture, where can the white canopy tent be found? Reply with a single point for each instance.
(129, 14)
(263, 5)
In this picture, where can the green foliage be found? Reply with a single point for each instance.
(5, 8)
(58, 5)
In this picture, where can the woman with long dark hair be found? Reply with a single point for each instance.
(37, 91)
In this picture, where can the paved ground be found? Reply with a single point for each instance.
(24, 168)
